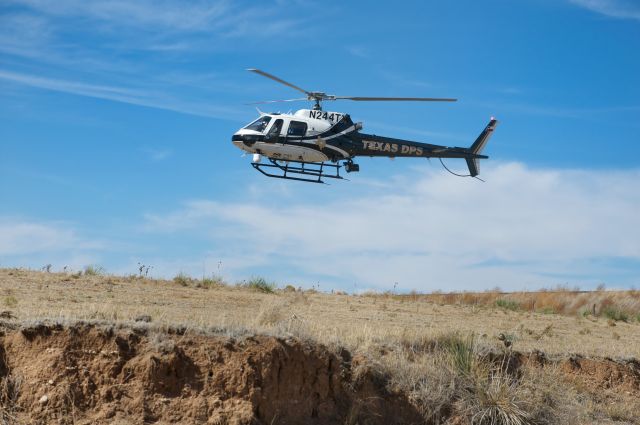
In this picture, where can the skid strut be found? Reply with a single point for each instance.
(311, 171)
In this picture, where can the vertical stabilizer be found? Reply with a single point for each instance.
(478, 146)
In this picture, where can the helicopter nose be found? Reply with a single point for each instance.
(246, 139)
(238, 141)
(242, 141)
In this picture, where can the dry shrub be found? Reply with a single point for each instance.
(495, 395)
(298, 297)
(429, 386)
(470, 298)
(162, 342)
(620, 411)
(578, 304)
(103, 312)
(605, 303)
(9, 392)
(272, 312)
(451, 376)
(414, 295)
(561, 300)
(494, 399)
(450, 298)
(633, 293)
(551, 302)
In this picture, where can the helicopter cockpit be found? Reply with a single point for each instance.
(273, 126)
(260, 124)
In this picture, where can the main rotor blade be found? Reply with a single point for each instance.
(410, 99)
(281, 81)
(277, 101)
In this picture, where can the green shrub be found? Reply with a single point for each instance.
(210, 282)
(547, 310)
(182, 279)
(495, 398)
(10, 301)
(508, 304)
(94, 270)
(615, 313)
(260, 284)
(460, 351)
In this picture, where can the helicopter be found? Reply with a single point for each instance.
(312, 144)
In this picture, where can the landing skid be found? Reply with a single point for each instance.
(315, 170)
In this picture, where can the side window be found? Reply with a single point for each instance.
(275, 128)
(297, 128)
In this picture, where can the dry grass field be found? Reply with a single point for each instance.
(450, 354)
(353, 321)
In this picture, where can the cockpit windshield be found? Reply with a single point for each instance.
(260, 124)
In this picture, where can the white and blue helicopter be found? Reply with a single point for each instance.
(313, 144)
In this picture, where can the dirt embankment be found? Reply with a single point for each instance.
(88, 374)
(95, 374)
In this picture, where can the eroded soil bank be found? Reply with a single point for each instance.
(98, 374)
(89, 374)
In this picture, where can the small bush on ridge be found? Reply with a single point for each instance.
(615, 313)
(508, 304)
(182, 279)
(210, 282)
(93, 270)
(260, 284)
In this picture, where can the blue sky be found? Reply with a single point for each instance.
(116, 118)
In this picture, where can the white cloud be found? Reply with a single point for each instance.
(625, 9)
(155, 154)
(139, 52)
(21, 31)
(424, 229)
(524, 228)
(169, 17)
(36, 243)
(166, 14)
(123, 95)
(20, 237)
